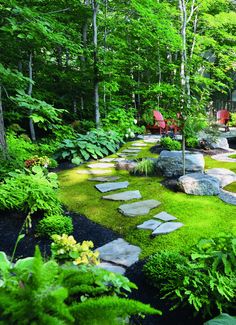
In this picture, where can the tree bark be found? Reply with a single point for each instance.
(30, 89)
(3, 144)
(95, 64)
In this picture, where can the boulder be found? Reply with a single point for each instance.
(170, 163)
(224, 176)
(199, 184)
(128, 165)
(214, 143)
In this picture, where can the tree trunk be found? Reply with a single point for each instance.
(3, 144)
(31, 123)
(95, 64)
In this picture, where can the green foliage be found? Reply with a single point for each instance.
(194, 124)
(95, 144)
(145, 167)
(222, 319)
(205, 280)
(123, 122)
(65, 248)
(54, 224)
(232, 121)
(43, 161)
(192, 142)
(30, 192)
(36, 292)
(83, 126)
(170, 144)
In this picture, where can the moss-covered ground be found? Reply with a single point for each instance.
(202, 216)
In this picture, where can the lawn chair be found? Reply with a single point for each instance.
(223, 118)
(160, 123)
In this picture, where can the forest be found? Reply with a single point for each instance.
(81, 80)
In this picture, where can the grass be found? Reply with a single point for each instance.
(202, 216)
(232, 156)
(231, 187)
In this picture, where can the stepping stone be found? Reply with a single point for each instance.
(138, 208)
(123, 196)
(111, 267)
(228, 197)
(164, 216)
(166, 228)
(107, 187)
(107, 159)
(225, 156)
(150, 225)
(94, 171)
(131, 151)
(122, 155)
(119, 252)
(139, 144)
(126, 165)
(104, 179)
(101, 165)
(119, 159)
(224, 176)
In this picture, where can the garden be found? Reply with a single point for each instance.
(118, 162)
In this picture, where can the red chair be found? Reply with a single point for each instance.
(159, 122)
(223, 118)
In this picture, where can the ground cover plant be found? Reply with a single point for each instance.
(202, 216)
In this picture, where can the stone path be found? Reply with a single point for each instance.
(107, 187)
(138, 208)
(123, 196)
(224, 176)
(101, 165)
(225, 156)
(94, 171)
(104, 179)
(228, 197)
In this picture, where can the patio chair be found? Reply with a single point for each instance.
(160, 123)
(223, 118)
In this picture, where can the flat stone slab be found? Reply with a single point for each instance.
(164, 216)
(131, 151)
(228, 197)
(101, 165)
(112, 267)
(123, 196)
(94, 171)
(107, 159)
(139, 144)
(104, 179)
(119, 159)
(107, 187)
(138, 208)
(166, 228)
(150, 225)
(225, 156)
(224, 176)
(119, 252)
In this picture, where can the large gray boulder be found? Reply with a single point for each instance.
(199, 184)
(170, 163)
(224, 176)
(214, 142)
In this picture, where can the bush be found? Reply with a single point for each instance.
(36, 292)
(52, 225)
(192, 142)
(30, 192)
(232, 121)
(170, 144)
(145, 167)
(95, 144)
(83, 126)
(206, 280)
(37, 161)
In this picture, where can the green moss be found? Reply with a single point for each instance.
(231, 187)
(202, 216)
(232, 156)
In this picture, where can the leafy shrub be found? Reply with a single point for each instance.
(123, 122)
(36, 292)
(95, 144)
(30, 192)
(205, 280)
(65, 248)
(170, 144)
(192, 142)
(52, 225)
(83, 126)
(37, 161)
(145, 167)
(232, 121)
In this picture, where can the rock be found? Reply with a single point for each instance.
(166, 228)
(164, 216)
(104, 179)
(139, 144)
(138, 208)
(228, 197)
(119, 252)
(123, 196)
(224, 176)
(107, 159)
(150, 225)
(131, 151)
(199, 184)
(111, 267)
(126, 165)
(101, 165)
(107, 187)
(170, 163)
(220, 143)
(225, 156)
(94, 171)
(119, 159)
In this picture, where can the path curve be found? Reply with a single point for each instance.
(225, 156)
